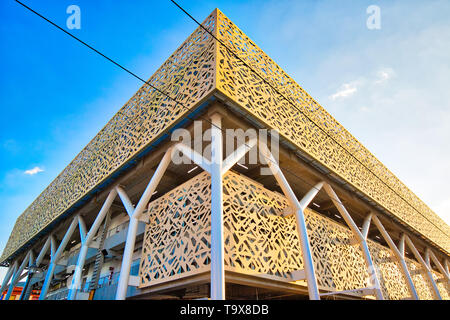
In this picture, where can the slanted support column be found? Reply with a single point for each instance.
(375, 283)
(313, 288)
(29, 276)
(401, 245)
(299, 207)
(34, 263)
(16, 275)
(86, 239)
(127, 259)
(55, 257)
(366, 226)
(438, 264)
(43, 251)
(48, 279)
(134, 222)
(217, 238)
(11, 271)
(425, 266)
(399, 254)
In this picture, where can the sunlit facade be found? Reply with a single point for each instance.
(317, 216)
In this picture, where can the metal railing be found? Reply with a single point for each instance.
(60, 294)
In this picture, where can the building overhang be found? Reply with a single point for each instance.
(221, 62)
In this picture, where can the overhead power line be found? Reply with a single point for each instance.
(192, 108)
(299, 110)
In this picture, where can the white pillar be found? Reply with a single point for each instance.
(362, 241)
(366, 226)
(438, 264)
(55, 257)
(48, 279)
(76, 279)
(43, 252)
(127, 259)
(134, 222)
(446, 267)
(17, 275)
(313, 288)
(217, 244)
(399, 255)
(425, 266)
(85, 241)
(11, 270)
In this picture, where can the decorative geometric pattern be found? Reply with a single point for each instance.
(177, 237)
(199, 67)
(389, 272)
(338, 264)
(442, 284)
(187, 76)
(258, 241)
(420, 280)
(368, 174)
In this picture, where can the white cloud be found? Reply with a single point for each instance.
(34, 171)
(384, 75)
(346, 90)
(350, 88)
(401, 113)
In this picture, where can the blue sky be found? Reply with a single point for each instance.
(388, 87)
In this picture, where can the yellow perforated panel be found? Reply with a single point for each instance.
(260, 242)
(285, 106)
(198, 68)
(177, 237)
(187, 76)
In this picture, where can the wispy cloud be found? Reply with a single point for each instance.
(34, 171)
(384, 75)
(346, 90)
(350, 88)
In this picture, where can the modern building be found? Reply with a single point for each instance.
(312, 214)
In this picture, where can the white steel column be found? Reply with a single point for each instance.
(127, 259)
(366, 226)
(43, 252)
(16, 275)
(55, 257)
(29, 275)
(399, 255)
(438, 264)
(217, 245)
(85, 241)
(308, 262)
(233, 158)
(35, 263)
(362, 241)
(11, 271)
(425, 266)
(401, 245)
(133, 224)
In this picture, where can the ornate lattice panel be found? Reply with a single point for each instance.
(187, 76)
(389, 272)
(285, 106)
(442, 284)
(198, 67)
(258, 241)
(420, 280)
(339, 264)
(177, 237)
